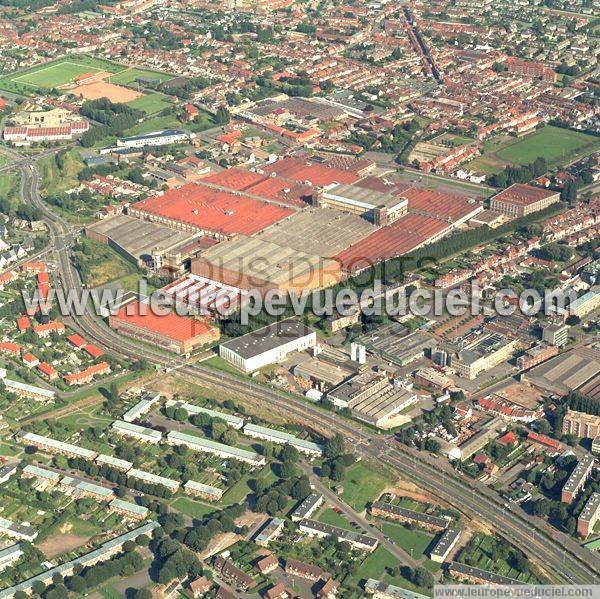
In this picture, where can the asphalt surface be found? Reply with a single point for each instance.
(561, 558)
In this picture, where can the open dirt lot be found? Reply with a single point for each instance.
(102, 89)
(61, 543)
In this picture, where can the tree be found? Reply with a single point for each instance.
(520, 563)
(222, 116)
(287, 470)
(77, 584)
(301, 489)
(422, 577)
(541, 508)
(542, 426)
(143, 594)
(113, 391)
(338, 471)
(334, 446)
(289, 454)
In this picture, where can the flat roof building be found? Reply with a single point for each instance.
(396, 344)
(355, 539)
(128, 509)
(280, 437)
(581, 424)
(155, 138)
(479, 576)
(255, 263)
(83, 488)
(395, 512)
(589, 515)
(578, 478)
(141, 407)
(204, 491)
(101, 554)
(308, 507)
(45, 476)
(127, 429)
(486, 352)
(113, 462)
(380, 208)
(9, 555)
(268, 345)
(154, 479)
(53, 446)
(520, 200)
(219, 449)
(169, 331)
(324, 230)
(445, 545)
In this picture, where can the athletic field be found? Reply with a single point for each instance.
(65, 70)
(55, 73)
(557, 145)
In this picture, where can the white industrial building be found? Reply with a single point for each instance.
(268, 345)
(155, 138)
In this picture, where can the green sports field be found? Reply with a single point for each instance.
(150, 103)
(129, 76)
(55, 73)
(65, 70)
(556, 145)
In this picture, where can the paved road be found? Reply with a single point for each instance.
(559, 555)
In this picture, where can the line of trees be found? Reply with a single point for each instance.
(519, 174)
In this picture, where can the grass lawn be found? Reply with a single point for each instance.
(374, 566)
(101, 264)
(362, 485)
(150, 103)
(193, 509)
(9, 450)
(558, 146)
(109, 592)
(219, 363)
(414, 542)
(9, 185)
(555, 144)
(331, 517)
(130, 75)
(58, 180)
(155, 124)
